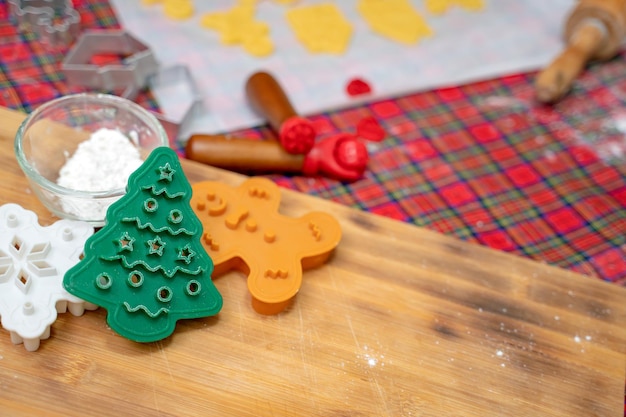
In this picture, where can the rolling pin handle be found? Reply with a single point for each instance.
(555, 81)
(594, 30)
(269, 100)
(242, 154)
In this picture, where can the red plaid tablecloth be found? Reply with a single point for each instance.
(480, 162)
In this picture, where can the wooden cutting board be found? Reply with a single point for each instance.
(400, 322)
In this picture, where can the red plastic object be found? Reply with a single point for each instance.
(357, 87)
(297, 135)
(244, 231)
(369, 128)
(105, 59)
(341, 156)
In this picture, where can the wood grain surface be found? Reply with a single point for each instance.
(400, 322)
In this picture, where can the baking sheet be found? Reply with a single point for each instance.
(507, 36)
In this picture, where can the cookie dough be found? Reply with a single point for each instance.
(394, 19)
(321, 28)
(438, 7)
(238, 26)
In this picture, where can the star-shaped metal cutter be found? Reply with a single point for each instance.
(161, 84)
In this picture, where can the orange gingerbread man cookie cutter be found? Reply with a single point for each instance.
(244, 231)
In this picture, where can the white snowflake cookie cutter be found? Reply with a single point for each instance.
(33, 261)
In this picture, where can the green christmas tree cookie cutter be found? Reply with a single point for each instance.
(146, 266)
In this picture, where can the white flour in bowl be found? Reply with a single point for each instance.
(101, 163)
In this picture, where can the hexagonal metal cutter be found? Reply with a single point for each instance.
(131, 76)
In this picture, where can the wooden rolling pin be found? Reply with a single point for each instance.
(242, 155)
(341, 156)
(266, 97)
(594, 30)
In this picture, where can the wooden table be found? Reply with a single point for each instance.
(401, 322)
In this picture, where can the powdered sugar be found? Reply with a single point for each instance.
(102, 163)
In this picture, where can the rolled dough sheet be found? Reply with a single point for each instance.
(508, 36)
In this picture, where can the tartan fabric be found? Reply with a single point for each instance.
(486, 164)
(29, 69)
(481, 162)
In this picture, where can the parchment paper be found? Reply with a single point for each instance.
(508, 36)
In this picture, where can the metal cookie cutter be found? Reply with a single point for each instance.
(131, 75)
(138, 69)
(56, 22)
(175, 87)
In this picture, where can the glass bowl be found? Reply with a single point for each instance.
(63, 130)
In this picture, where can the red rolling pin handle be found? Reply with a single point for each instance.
(342, 156)
(268, 99)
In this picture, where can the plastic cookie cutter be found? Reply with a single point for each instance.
(177, 94)
(56, 22)
(244, 231)
(33, 260)
(130, 76)
(147, 266)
